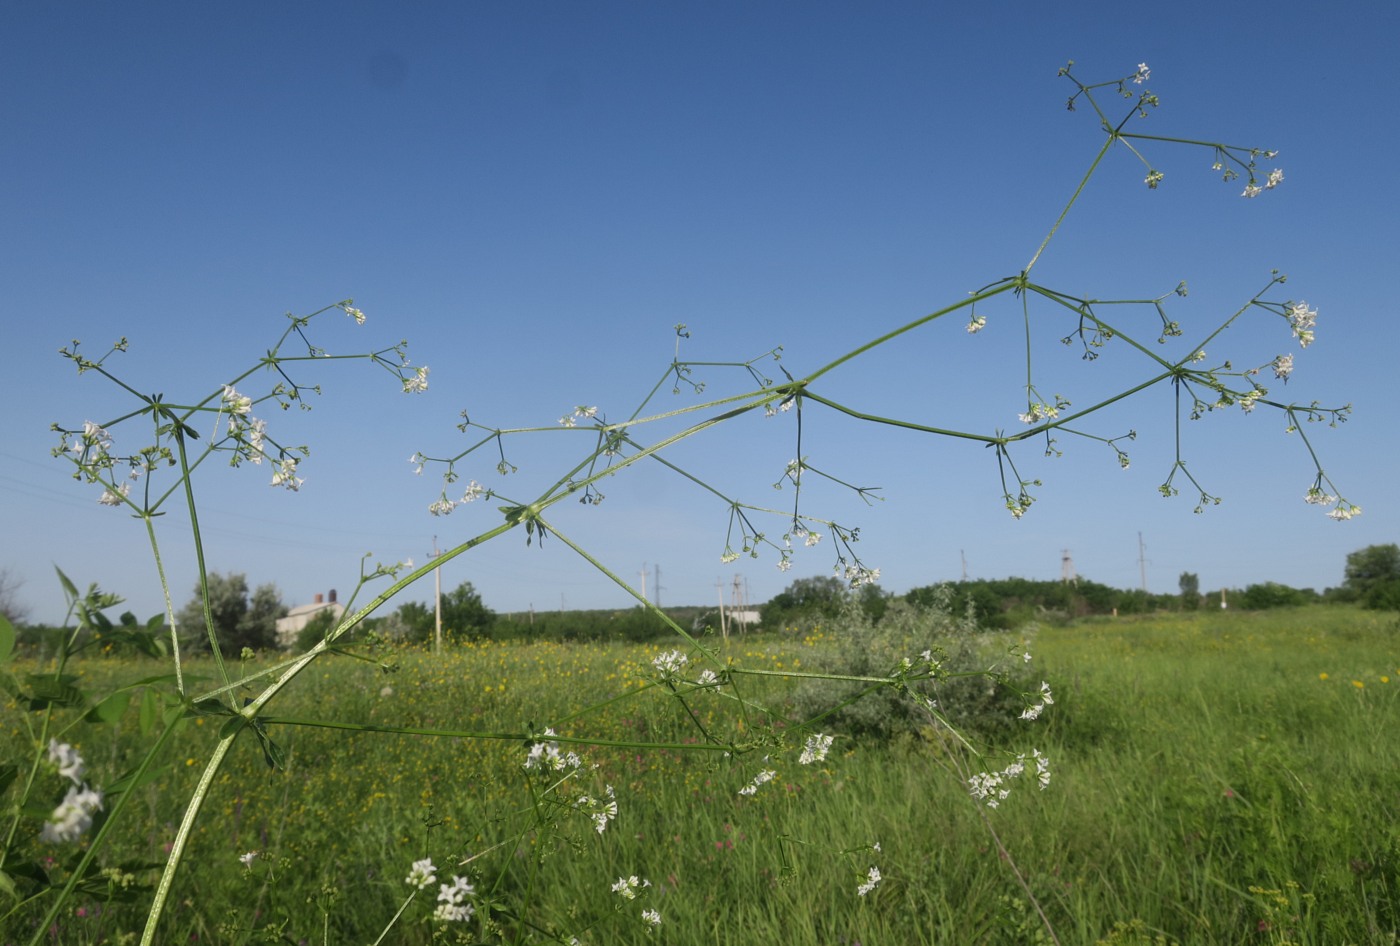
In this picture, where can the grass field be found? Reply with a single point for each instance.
(1219, 778)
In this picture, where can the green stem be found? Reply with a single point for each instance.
(1093, 166)
(169, 604)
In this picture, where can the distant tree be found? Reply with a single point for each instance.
(1190, 585)
(464, 615)
(239, 620)
(806, 599)
(10, 604)
(1271, 594)
(1373, 576)
(315, 630)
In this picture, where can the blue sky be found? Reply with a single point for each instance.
(535, 194)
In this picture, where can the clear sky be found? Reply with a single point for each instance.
(535, 194)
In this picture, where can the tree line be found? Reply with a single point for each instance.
(247, 618)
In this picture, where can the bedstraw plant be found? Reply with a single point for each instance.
(63, 811)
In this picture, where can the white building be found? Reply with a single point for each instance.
(298, 617)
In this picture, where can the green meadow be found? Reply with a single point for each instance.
(1218, 778)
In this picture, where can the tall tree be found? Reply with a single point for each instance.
(1373, 575)
(1190, 585)
(239, 621)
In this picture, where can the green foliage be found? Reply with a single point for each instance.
(1372, 576)
(1008, 603)
(464, 617)
(808, 602)
(1271, 594)
(315, 630)
(969, 701)
(1190, 585)
(239, 620)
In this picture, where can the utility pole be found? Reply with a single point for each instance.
(1142, 561)
(723, 627)
(962, 555)
(643, 573)
(1067, 575)
(437, 602)
(656, 590)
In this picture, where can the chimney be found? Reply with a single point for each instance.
(318, 597)
(332, 596)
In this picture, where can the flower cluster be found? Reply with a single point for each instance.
(73, 816)
(1301, 320)
(444, 506)
(1274, 179)
(1037, 411)
(601, 811)
(546, 756)
(872, 880)
(417, 382)
(580, 413)
(422, 875)
(670, 663)
(1033, 712)
(990, 787)
(762, 778)
(628, 887)
(453, 906)
(815, 749)
(976, 324)
(286, 474)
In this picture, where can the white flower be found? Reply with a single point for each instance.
(784, 564)
(762, 778)
(603, 812)
(423, 874)
(417, 383)
(585, 411)
(73, 815)
(1252, 190)
(1301, 319)
(235, 402)
(442, 507)
(1154, 177)
(354, 313)
(812, 539)
(729, 556)
(977, 323)
(872, 880)
(1275, 179)
(417, 460)
(670, 663)
(1283, 367)
(1317, 497)
(1042, 769)
(546, 755)
(567, 420)
(474, 492)
(1199, 356)
(452, 901)
(1142, 73)
(247, 859)
(286, 474)
(652, 917)
(707, 678)
(1344, 511)
(628, 887)
(70, 764)
(815, 749)
(114, 497)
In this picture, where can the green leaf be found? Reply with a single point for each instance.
(7, 639)
(231, 726)
(111, 709)
(70, 589)
(47, 691)
(8, 773)
(149, 712)
(129, 781)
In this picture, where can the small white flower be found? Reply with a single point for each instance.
(417, 383)
(442, 507)
(872, 880)
(452, 901)
(784, 564)
(1252, 190)
(422, 875)
(1344, 511)
(976, 324)
(815, 749)
(1317, 497)
(1142, 74)
(628, 887)
(1275, 179)
(653, 917)
(70, 764)
(474, 492)
(286, 474)
(354, 313)
(546, 756)
(670, 663)
(235, 402)
(762, 778)
(1283, 367)
(707, 678)
(114, 497)
(729, 556)
(73, 815)
(567, 420)
(247, 859)
(1199, 356)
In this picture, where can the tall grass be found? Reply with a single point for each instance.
(1221, 778)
